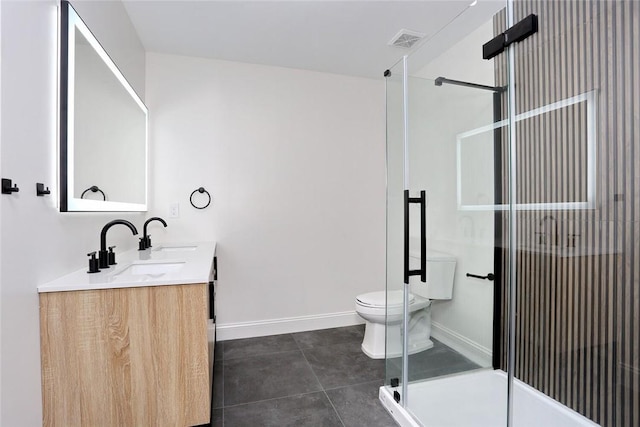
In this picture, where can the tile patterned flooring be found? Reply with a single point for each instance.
(315, 378)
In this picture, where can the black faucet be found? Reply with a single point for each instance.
(145, 240)
(103, 255)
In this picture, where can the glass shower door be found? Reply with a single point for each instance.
(447, 150)
(455, 145)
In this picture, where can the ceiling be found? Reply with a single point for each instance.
(343, 37)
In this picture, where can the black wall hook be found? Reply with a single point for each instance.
(200, 190)
(40, 191)
(7, 188)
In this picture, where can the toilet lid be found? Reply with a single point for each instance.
(378, 299)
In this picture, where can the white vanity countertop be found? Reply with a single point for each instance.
(190, 263)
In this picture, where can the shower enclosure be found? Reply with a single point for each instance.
(530, 164)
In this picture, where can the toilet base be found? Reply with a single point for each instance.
(373, 344)
(382, 340)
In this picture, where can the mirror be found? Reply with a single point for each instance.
(573, 120)
(103, 127)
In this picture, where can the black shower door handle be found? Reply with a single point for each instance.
(422, 200)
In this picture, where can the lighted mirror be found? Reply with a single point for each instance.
(569, 127)
(103, 127)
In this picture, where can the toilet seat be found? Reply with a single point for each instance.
(380, 299)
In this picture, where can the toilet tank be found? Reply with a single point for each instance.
(441, 267)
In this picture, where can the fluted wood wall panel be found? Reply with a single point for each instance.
(577, 319)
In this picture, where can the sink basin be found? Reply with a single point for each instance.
(155, 268)
(176, 248)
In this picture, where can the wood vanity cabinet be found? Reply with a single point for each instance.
(126, 357)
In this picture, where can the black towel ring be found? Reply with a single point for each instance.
(94, 189)
(200, 190)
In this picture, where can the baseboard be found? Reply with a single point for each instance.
(463, 345)
(231, 331)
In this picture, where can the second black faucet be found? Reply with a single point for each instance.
(145, 240)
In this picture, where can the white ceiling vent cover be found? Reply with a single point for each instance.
(406, 39)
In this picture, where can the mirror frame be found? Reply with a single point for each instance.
(70, 21)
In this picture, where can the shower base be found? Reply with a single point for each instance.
(477, 399)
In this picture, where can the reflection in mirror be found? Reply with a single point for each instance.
(103, 127)
(94, 189)
(574, 121)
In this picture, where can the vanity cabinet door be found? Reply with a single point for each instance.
(126, 357)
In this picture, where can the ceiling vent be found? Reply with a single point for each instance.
(406, 39)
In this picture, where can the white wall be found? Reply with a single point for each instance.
(438, 114)
(294, 162)
(37, 243)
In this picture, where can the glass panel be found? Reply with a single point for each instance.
(452, 315)
(578, 170)
(395, 219)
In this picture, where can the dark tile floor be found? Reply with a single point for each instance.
(315, 378)
(435, 362)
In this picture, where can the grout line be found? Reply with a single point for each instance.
(339, 345)
(273, 398)
(297, 343)
(271, 353)
(222, 392)
(356, 384)
(262, 354)
(312, 371)
(346, 341)
(334, 408)
(322, 386)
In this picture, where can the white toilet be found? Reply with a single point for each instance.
(371, 307)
